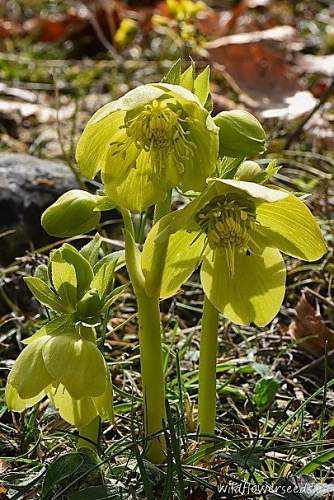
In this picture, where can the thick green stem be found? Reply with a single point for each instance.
(150, 346)
(152, 374)
(89, 435)
(207, 369)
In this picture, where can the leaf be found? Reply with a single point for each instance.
(174, 74)
(310, 330)
(104, 278)
(90, 251)
(202, 85)
(265, 391)
(64, 279)
(113, 296)
(317, 462)
(187, 77)
(118, 256)
(104, 203)
(44, 294)
(83, 269)
(62, 468)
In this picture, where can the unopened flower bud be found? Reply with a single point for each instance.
(240, 134)
(72, 214)
(248, 171)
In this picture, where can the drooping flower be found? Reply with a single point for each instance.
(154, 138)
(69, 369)
(238, 230)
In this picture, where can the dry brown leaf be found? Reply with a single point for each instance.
(309, 329)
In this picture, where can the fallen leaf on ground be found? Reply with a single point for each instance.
(309, 329)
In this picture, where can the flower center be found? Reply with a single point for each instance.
(227, 221)
(160, 129)
(156, 127)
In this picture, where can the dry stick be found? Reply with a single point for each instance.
(326, 95)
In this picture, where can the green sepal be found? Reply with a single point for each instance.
(45, 295)
(289, 225)
(104, 203)
(183, 255)
(42, 273)
(254, 293)
(76, 363)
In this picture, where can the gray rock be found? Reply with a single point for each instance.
(28, 186)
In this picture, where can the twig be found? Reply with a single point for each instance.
(326, 95)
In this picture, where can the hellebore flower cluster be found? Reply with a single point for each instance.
(154, 138)
(237, 229)
(69, 369)
(62, 360)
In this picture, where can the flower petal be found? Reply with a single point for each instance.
(77, 412)
(254, 293)
(289, 225)
(15, 403)
(183, 256)
(257, 191)
(137, 190)
(77, 364)
(95, 141)
(29, 375)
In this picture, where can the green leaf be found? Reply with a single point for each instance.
(227, 167)
(91, 250)
(104, 278)
(64, 279)
(83, 269)
(44, 294)
(174, 74)
(265, 391)
(183, 255)
(118, 256)
(289, 225)
(113, 296)
(187, 77)
(254, 293)
(202, 85)
(321, 459)
(61, 468)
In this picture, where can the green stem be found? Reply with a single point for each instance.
(207, 369)
(152, 374)
(89, 435)
(150, 343)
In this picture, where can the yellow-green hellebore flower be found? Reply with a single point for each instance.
(154, 138)
(70, 369)
(238, 230)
